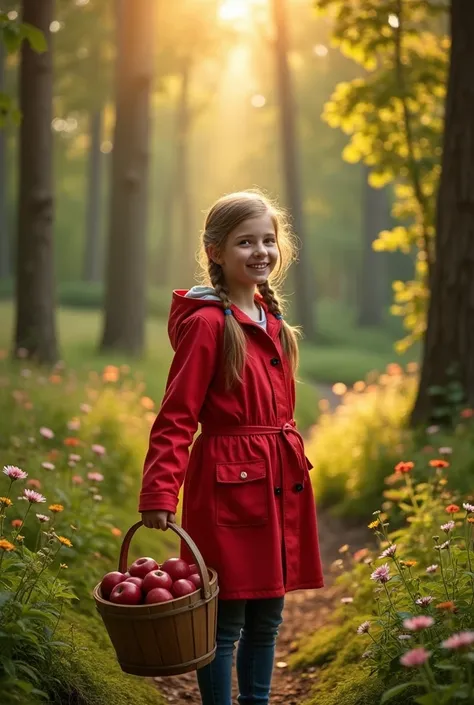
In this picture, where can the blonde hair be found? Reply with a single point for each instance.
(223, 217)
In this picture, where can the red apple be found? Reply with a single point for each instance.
(176, 567)
(193, 568)
(142, 566)
(157, 579)
(126, 593)
(109, 581)
(135, 581)
(183, 587)
(196, 579)
(158, 595)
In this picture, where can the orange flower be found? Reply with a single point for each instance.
(470, 520)
(6, 545)
(53, 454)
(439, 463)
(72, 442)
(447, 606)
(34, 483)
(56, 508)
(115, 531)
(404, 467)
(361, 554)
(5, 502)
(16, 523)
(467, 413)
(373, 524)
(452, 508)
(409, 564)
(55, 379)
(64, 541)
(110, 374)
(147, 403)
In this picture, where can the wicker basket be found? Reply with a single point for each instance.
(167, 638)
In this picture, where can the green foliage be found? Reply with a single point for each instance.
(394, 116)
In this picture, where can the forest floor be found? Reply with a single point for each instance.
(305, 612)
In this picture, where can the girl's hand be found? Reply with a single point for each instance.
(158, 519)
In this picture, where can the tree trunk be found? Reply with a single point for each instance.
(124, 326)
(304, 287)
(373, 275)
(5, 250)
(164, 258)
(35, 296)
(183, 122)
(449, 341)
(92, 254)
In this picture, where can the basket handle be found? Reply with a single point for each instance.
(123, 560)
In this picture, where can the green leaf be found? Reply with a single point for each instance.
(35, 37)
(11, 38)
(396, 690)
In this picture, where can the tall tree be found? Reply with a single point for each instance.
(35, 299)
(304, 287)
(448, 353)
(124, 323)
(5, 256)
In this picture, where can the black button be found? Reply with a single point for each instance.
(298, 487)
(274, 361)
(277, 490)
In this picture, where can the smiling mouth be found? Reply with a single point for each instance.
(258, 266)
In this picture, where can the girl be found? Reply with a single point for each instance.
(247, 500)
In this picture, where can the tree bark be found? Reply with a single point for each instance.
(35, 286)
(372, 275)
(304, 276)
(125, 307)
(5, 249)
(183, 123)
(449, 342)
(92, 254)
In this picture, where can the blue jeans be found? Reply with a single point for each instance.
(254, 624)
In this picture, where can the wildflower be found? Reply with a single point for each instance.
(415, 658)
(452, 508)
(381, 574)
(74, 425)
(424, 601)
(360, 554)
(19, 538)
(470, 520)
(72, 442)
(110, 374)
(46, 432)
(409, 564)
(63, 566)
(447, 528)
(347, 600)
(432, 568)
(364, 628)
(97, 497)
(389, 552)
(5, 502)
(77, 480)
(373, 524)
(344, 549)
(33, 497)
(74, 457)
(47, 465)
(16, 523)
(98, 449)
(64, 541)
(448, 606)
(147, 403)
(460, 641)
(439, 463)
(431, 430)
(14, 473)
(445, 450)
(95, 476)
(85, 408)
(467, 413)
(56, 508)
(416, 624)
(468, 507)
(115, 532)
(404, 467)
(404, 637)
(443, 546)
(42, 518)
(6, 545)
(34, 483)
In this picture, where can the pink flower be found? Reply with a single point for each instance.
(381, 574)
(98, 449)
(47, 466)
(364, 628)
(432, 568)
(446, 450)
(85, 408)
(462, 640)
(74, 457)
(33, 497)
(46, 432)
(77, 480)
(74, 425)
(389, 552)
(95, 476)
(415, 658)
(448, 527)
(468, 507)
(416, 624)
(42, 518)
(14, 473)
(424, 601)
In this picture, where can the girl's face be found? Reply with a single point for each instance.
(250, 253)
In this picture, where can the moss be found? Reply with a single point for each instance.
(339, 642)
(90, 675)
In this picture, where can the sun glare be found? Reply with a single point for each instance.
(234, 10)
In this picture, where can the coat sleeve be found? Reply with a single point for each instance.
(172, 433)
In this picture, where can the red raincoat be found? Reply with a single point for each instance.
(247, 500)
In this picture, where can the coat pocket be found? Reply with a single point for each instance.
(242, 493)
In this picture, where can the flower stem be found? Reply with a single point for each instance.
(442, 575)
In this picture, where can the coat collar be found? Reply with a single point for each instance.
(273, 324)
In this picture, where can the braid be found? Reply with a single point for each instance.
(288, 334)
(234, 338)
